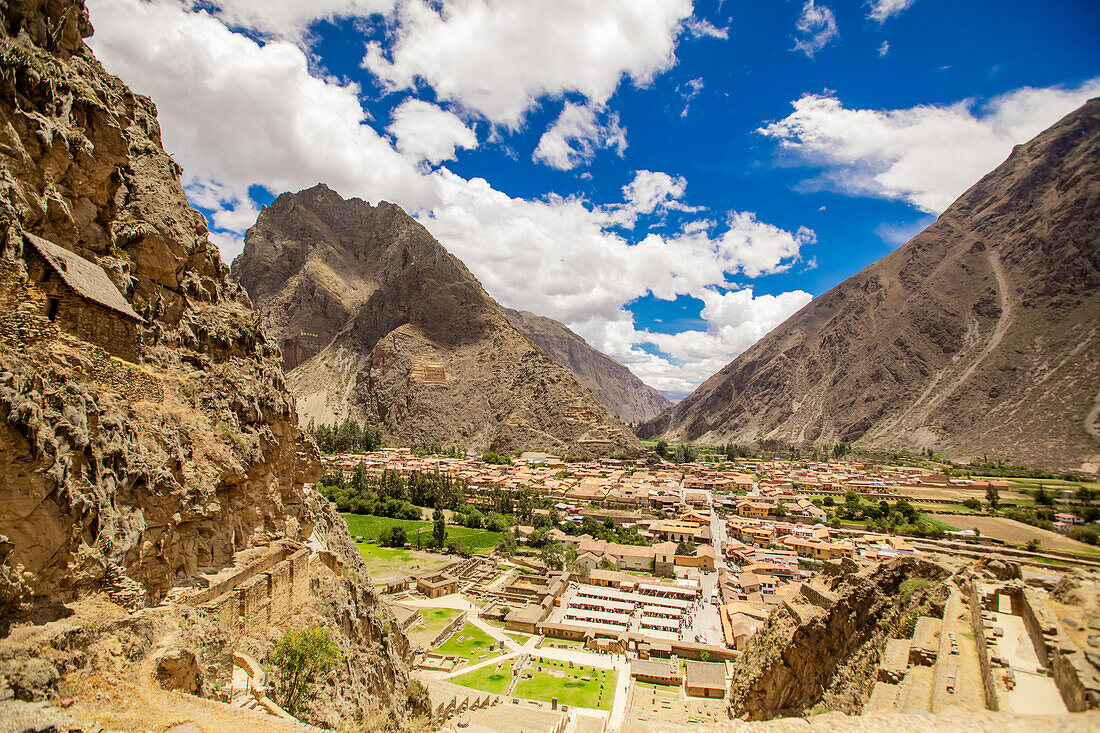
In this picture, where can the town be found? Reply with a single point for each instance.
(623, 590)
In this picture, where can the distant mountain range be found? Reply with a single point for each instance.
(980, 337)
(377, 321)
(628, 398)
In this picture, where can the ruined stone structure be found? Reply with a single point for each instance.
(263, 592)
(74, 294)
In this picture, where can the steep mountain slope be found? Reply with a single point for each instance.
(979, 337)
(147, 435)
(378, 321)
(615, 386)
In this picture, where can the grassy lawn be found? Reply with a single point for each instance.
(419, 531)
(388, 563)
(517, 637)
(436, 619)
(570, 689)
(564, 643)
(474, 646)
(487, 679)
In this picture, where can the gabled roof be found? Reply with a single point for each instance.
(83, 276)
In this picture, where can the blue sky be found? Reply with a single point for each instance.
(671, 179)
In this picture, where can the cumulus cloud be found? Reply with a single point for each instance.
(816, 27)
(423, 131)
(577, 134)
(880, 10)
(925, 155)
(456, 48)
(287, 19)
(239, 114)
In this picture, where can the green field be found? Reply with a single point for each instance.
(436, 619)
(569, 689)
(563, 643)
(474, 646)
(517, 637)
(420, 531)
(389, 563)
(487, 679)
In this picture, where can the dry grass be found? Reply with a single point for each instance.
(1017, 533)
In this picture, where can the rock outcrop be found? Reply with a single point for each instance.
(627, 397)
(377, 321)
(978, 338)
(147, 435)
(822, 646)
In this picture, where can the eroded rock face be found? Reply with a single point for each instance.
(119, 475)
(979, 337)
(812, 647)
(376, 320)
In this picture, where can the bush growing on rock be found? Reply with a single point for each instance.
(298, 660)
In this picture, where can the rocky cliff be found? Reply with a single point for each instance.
(147, 435)
(627, 397)
(821, 647)
(377, 321)
(979, 337)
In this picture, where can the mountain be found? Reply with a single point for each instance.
(377, 321)
(615, 386)
(977, 338)
(147, 436)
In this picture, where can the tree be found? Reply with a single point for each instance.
(1084, 494)
(685, 548)
(506, 545)
(662, 449)
(1033, 545)
(570, 556)
(828, 500)
(993, 497)
(540, 521)
(553, 555)
(496, 522)
(298, 660)
(972, 503)
(1044, 497)
(393, 537)
(607, 563)
(704, 656)
(780, 510)
(439, 530)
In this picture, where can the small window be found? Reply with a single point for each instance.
(51, 308)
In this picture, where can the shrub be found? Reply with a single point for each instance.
(911, 586)
(299, 660)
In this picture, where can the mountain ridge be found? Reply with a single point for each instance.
(613, 384)
(378, 321)
(977, 338)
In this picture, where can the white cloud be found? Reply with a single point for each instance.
(689, 90)
(884, 48)
(699, 28)
(926, 155)
(883, 9)
(817, 27)
(551, 48)
(287, 19)
(426, 132)
(577, 134)
(237, 114)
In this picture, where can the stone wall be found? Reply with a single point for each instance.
(991, 700)
(86, 320)
(263, 594)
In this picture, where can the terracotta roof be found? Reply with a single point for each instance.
(83, 276)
